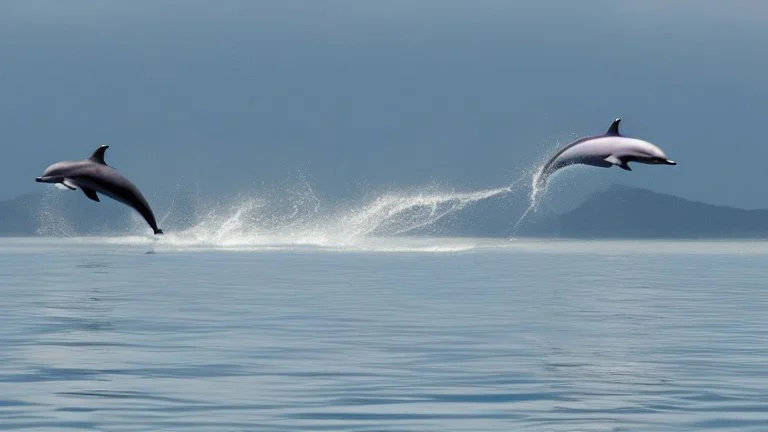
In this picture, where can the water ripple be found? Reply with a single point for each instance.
(517, 337)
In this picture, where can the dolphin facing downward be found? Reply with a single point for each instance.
(93, 175)
(605, 150)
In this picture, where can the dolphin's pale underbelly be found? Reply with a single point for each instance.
(587, 153)
(592, 159)
(584, 152)
(578, 156)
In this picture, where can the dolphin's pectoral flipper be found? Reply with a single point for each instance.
(90, 193)
(69, 184)
(612, 159)
(98, 155)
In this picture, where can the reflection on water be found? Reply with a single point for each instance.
(411, 335)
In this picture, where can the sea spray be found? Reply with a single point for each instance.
(297, 218)
(182, 209)
(51, 222)
(538, 187)
(394, 214)
(538, 184)
(293, 217)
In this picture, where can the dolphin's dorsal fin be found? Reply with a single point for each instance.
(98, 155)
(614, 129)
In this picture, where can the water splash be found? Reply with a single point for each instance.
(395, 214)
(538, 188)
(539, 185)
(259, 222)
(51, 223)
(297, 218)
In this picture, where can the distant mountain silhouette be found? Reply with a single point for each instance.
(15, 218)
(627, 212)
(57, 213)
(617, 212)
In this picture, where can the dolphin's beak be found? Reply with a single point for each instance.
(670, 162)
(39, 179)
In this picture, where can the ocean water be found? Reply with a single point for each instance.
(383, 334)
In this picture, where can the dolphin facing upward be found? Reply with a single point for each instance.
(605, 150)
(93, 175)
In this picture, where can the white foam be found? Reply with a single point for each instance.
(294, 221)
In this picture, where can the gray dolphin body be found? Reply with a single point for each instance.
(93, 175)
(605, 150)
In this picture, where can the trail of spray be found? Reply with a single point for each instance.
(537, 188)
(252, 221)
(395, 214)
(517, 224)
(293, 218)
(297, 218)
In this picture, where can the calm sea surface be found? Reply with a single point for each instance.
(389, 335)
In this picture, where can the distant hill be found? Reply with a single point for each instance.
(65, 213)
(15, 217)
(57, 213)
(617, 212)
(625, 212)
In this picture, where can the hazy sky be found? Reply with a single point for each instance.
(383, 94)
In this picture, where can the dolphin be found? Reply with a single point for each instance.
(605, 150)
(93, 175)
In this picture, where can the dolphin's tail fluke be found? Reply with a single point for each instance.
(158, 231)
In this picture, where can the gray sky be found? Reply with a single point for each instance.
(378, 94)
